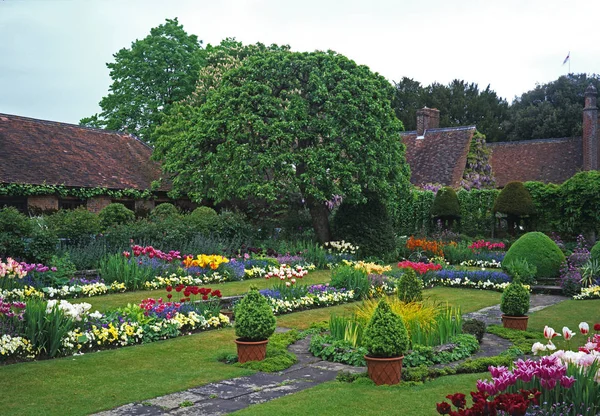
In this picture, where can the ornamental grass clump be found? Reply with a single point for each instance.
(254, 318)
(515, 300)
(385, 336)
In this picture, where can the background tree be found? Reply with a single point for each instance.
(459, 102)
(148, 78)
(551, 110)
(314, 123)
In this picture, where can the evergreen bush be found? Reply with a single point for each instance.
(514, 199)
(114, 214)
(474, 327)
(515, 300)
(595, 252)
(385, 335)
(14, 226)
(539, 251)
(445, 205)
(410, 287)
(76, 225)
(163, 211)
(254, 319)
(205, 220)
(366, 225)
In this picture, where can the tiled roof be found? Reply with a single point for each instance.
(544, 160)
(439, 156)
(37, 151)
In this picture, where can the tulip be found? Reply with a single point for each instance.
(584, 328)
(550, 333)
(567, 333)
(537, 347)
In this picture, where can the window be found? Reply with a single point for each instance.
(17, 202)
(71, 203)
(129, 203)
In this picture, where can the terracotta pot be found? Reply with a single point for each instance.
(251, 350)
(515, 322)
(384, 370)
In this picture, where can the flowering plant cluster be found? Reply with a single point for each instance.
(340, 247)
(381, 285)
(592, 292)
(151, 252)
(514, 404)
(484, 264)
(285, 272)
(480, 245)
(433, 248)
(481, 279)
(420, 268)
(187, 291)
(368, 267)
(315, 296)
(9, 271)
(212, 261)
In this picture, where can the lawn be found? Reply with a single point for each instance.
(98, 381)
(106, 302)
(335, 398)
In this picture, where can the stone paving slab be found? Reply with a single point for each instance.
(133, 409)
(214, 407)
(173, 401)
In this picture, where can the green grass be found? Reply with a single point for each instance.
(99, 381)
(116, 300)
(335, 398)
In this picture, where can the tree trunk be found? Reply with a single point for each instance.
(320, 219)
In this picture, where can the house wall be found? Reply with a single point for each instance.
(42, 203)
(97, 203)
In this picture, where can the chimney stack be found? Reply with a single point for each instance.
(590, 130)
(427, 118)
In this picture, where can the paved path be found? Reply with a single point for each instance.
(228, 396)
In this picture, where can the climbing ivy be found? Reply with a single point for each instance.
(23, 189)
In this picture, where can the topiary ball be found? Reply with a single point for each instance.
(410, 287)
(514, 199)
(163, 211)
(445, 204)
(254, 318)
(385, 335)
(474, 327)
(205, 220)
(114, 214)
(539, 251)
(515, 300)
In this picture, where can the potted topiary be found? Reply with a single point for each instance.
(386, 340)
(254, 324)
(514, 305)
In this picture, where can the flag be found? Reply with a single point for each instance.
(567, 58)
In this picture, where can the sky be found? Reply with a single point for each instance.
(53, 53)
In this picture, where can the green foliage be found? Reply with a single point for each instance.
(595, 252)
(164, 212)
(87, 256)
(14, 226)
(254, 319)
(346, 329)
(114, 214)
(410, 287)
(46, 329)
(24, 189)
(350, 278)
(366, 225)
(460, 104)
(385, 335)
(42, 246)
(329, 348)
(205, 220)
(445, 204)
(235, 225)
(266, 130)
(520, 270)
(580, 201)
(456, 254)
(474, 327)
(514, 200)
(523, 340)
(547, 200)
(117, 268)
(539, 251)
(278, 358)
(148, 78)
(480, 365)
(515, 300)
(77, 225)
(478, 171)
(459, 347)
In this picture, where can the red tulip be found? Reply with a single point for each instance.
(443, 408)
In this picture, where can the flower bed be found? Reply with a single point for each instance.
(314, 296)
(592, 292)
(469, 279)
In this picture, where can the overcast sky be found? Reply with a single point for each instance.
(53, 52)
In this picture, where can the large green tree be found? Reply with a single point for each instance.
(148, 78)
(314, 123)
(460, 104)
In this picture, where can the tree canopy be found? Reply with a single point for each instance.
(148, 78)
(315, 123)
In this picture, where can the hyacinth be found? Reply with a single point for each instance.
(420, 268)
(12, 269)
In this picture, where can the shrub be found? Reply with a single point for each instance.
(410, 287)
(539, 251)
(77, 225)
(514, 200)
(205, 220)
(519, 269)
(515, 300)
(367, 225)
(114, 214)
(163, 211)
(474, 327)
(385, 335)
(254, 318)
(42, 246)
(235, 225)
(14, 226)
(350, 278)
(595, 252)
(445, 205)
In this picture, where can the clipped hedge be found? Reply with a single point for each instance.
(445, 205)
(539, 251)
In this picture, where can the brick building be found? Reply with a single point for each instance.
(439, 155)
(39, 152)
